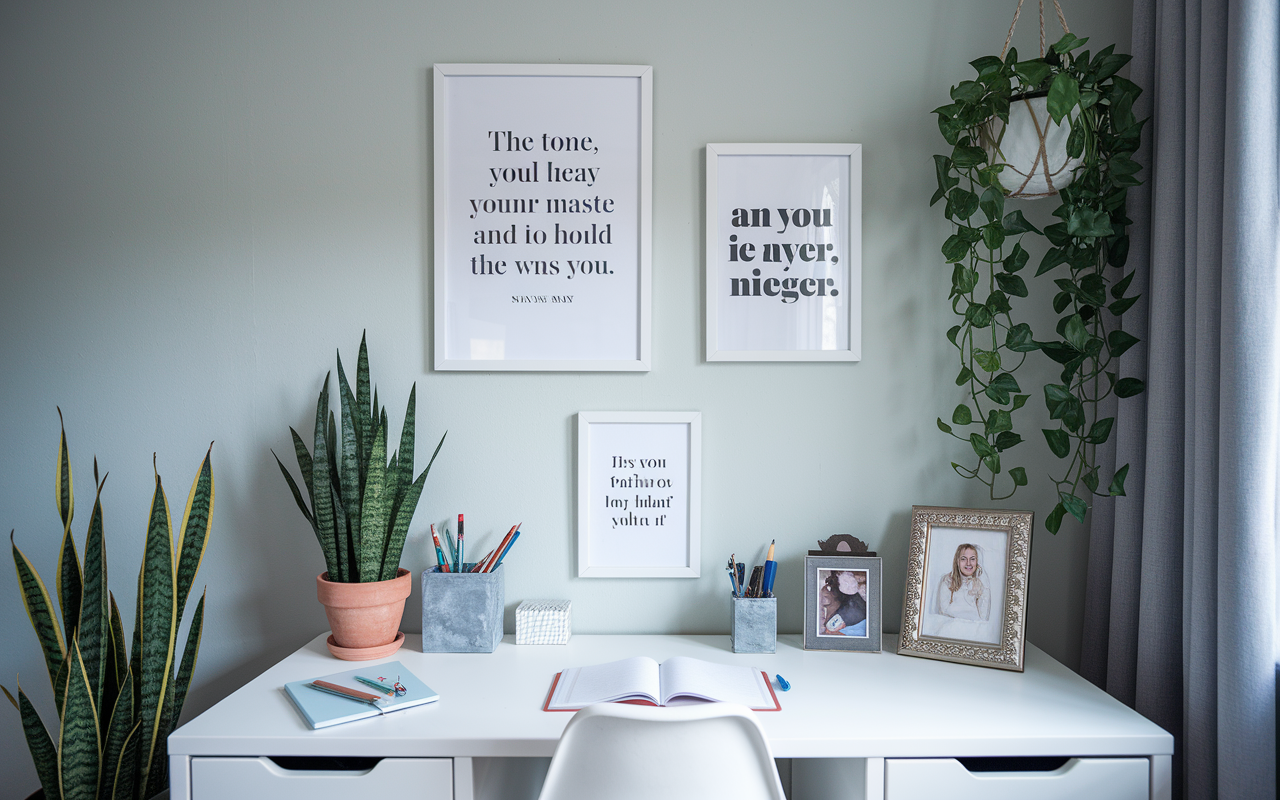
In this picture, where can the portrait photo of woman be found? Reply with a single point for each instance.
(964, 585)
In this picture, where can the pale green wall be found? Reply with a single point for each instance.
(200, 201)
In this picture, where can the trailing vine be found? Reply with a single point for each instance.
(1087, 245)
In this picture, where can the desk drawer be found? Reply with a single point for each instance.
(264, 779)
(1094, 778)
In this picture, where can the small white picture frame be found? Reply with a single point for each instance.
(783, 265)
(543, 217)
(639, 494)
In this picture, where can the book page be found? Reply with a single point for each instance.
(692, 677)
(630, 678)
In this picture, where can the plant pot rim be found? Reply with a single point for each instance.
(401, 572)
(365, 594)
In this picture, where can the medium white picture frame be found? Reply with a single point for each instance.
(783, 263)
(580, 299)
(639, 494)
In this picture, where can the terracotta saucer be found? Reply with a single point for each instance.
(365, 653)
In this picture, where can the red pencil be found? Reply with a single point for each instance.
(493, 559)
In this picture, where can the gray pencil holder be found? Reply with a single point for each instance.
(462, 612)
(755, 624)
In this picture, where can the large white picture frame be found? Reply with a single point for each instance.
(784, 252)
(639, 494)
(543, 218)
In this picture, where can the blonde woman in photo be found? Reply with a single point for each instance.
(962, 601)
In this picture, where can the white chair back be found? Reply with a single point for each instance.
(615, 751)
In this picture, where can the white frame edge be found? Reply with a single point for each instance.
(854, 151)
(694, 420)
(440, 195)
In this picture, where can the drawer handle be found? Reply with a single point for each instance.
(356, 765)
(1014, 763)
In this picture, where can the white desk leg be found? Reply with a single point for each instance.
(463, 780)
(875, 779)
(179, 777)
(1161, 777)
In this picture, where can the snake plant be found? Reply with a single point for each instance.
(361, 503)
(116, 700)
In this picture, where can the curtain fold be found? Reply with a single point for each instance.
(1180, 616)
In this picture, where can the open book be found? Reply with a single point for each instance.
(676, 681)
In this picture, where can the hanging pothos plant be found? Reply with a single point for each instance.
(1092, 108)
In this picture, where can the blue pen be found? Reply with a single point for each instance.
(510, 544)
(782, 683)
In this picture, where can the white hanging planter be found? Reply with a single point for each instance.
(1032, 148)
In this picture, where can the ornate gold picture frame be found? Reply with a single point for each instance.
(966, 594)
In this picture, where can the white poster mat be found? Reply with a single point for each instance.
(784, 252)
(639, 494)
(542, 217)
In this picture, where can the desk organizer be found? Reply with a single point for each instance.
(462, 611)
(543, 622)
(755, 624)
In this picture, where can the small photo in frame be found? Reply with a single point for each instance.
(967, 586)
(842, 603)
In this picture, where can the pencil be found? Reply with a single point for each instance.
(492, 561)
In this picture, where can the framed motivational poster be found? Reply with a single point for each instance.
(639, 494)
(543, 180)
(784, 252)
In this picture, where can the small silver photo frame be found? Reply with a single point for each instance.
(842, 603)
(966, 593)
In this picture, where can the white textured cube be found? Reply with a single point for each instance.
(542, 622)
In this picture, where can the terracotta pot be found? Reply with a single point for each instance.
(364, 615)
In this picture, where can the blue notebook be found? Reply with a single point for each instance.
(322, 709)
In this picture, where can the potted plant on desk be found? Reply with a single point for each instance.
(360, 506)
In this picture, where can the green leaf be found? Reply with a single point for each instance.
(1019, 339)
(1093, 290)
(1086, 221)
(1074, 505)
(1122, 305)
(955, 249)
(1016, 260)
(1108, 65)
(1059, 441)
(992, 205)
(400, 528)
(189, 653)
(1006, 440)
(1020, 400)
(120, 723)
(1054, 520)
(196, 521)
(43, 754)
(1032, 73)
(1117, 483)
(998, 303)
(1052, 258)
(1019, 476)
(1128, 387)
(967, 92)
(1122, 286)
(70, 584)
(1060, 302)
(1068, 42)
(952, 333)
(95, 620)
(964, 377)
(978, 315)
(351, 469)
(1058, 236)
(989, 360)
(993, 236)
(1015, 223)
(965, 157)
(1076, 139)
(1100, 431)
(1064, 94)
(962, 415)
(987, 64)
(1120, 341)
(1075, 333)
(78, 743)
(961, 204)
(963, 279)
(1090, 479)
(1118, 253)
(35, 597)
(998, 421)
(322, 490)
(1011, 284)
(157, 587)
(993, 463)
(942, 426)
(375, 510)
(1001, 387)
(942, 168)
(980, 446)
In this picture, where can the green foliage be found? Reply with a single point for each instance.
(113, 720)
(360, 502)
(1090, 241)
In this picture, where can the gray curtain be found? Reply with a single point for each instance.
(1180, 617)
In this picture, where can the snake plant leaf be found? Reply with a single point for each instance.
(39, 743)
(135, 654)
(408, 437)
(297, 496)
(60, 684)
(78, 743)
(94, 636)
(69, 584)
(158, 620)
(120, 724)
(116, 664)
(321, 493)
(196, 520)
(157, 770)
(62, 482)
(365, 414)
(189, 653)
(126, 767)
(374, 510)
(350, 471)
(305, 464)
(40, 611)
(400, 528)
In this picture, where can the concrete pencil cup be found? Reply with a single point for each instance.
(462, 611)
(755, 624)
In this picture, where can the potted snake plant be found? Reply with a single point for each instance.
(116, 703)
(359, 502)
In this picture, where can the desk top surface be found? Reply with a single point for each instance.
(841, 705)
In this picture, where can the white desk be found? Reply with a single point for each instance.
(847, 719)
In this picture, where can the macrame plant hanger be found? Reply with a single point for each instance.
(1039, 118)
